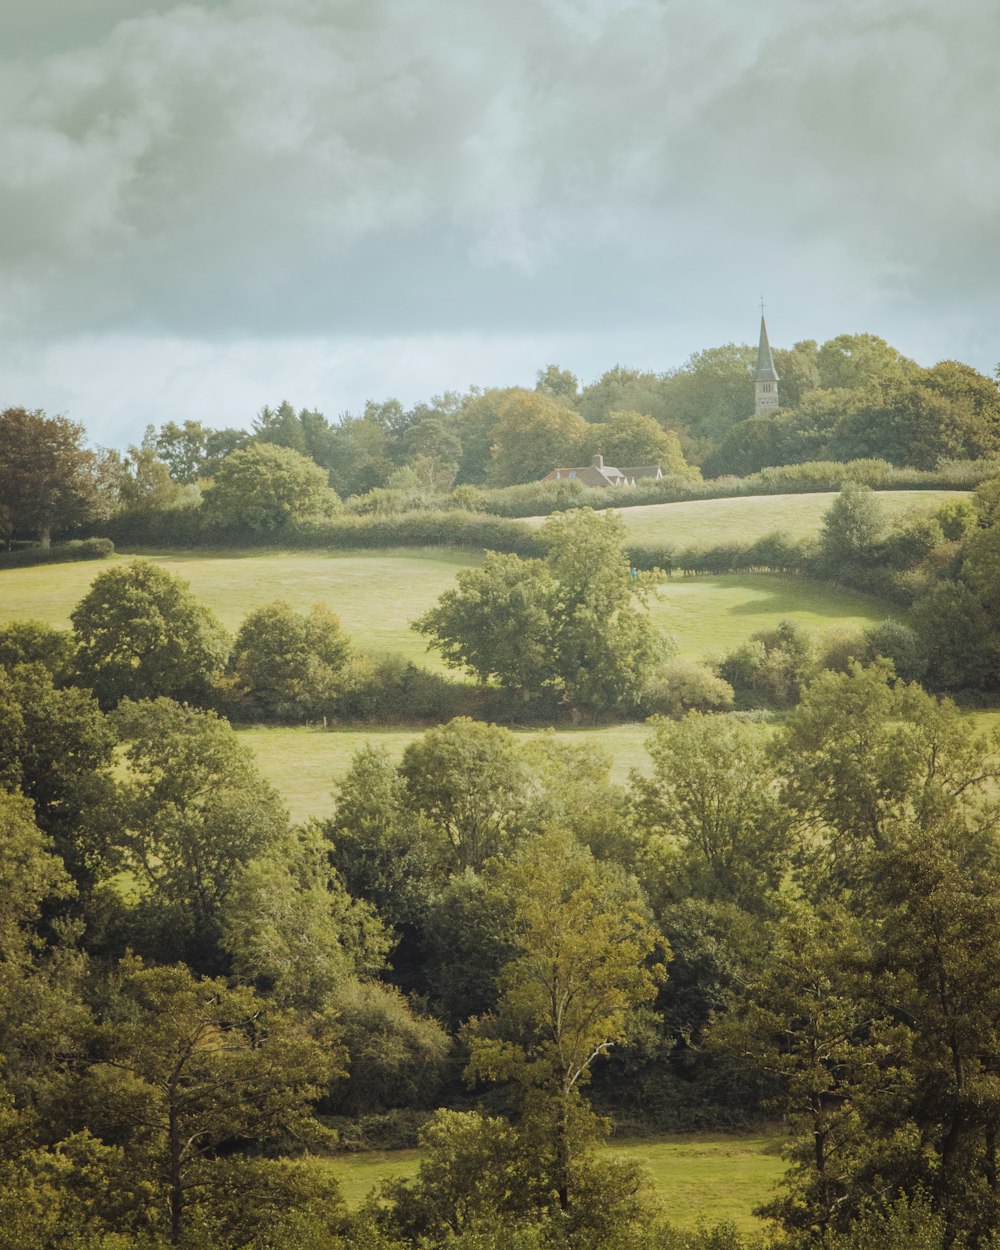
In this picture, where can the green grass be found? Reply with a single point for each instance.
(304, 763)
(707, 1178)
(703, 1178)
(376, 594)
(359, 1174)
(706, 522)
(708, 616)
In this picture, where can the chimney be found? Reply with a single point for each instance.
(598, 462)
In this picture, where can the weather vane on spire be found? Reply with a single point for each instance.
(762, 305)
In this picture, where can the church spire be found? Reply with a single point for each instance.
(766, 379)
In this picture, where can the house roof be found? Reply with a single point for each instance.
(601, 474)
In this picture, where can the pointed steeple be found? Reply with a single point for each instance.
(766, 371)
(766, 379)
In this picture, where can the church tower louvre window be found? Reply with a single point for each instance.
(766, 379)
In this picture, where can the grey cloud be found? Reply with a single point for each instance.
(312, 166)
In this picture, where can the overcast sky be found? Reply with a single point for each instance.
(210, 206)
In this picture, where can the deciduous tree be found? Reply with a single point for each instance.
(186, 1065)
(604, 642)
(195, 811)
(497, 622)
(466, 778)
(141, 633)
(584, 965)
(48, 479)
(286, 664)
(263, 487)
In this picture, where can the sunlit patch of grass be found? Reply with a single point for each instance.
(706, 522)
(695, 1178)
(708, 616)
(303, 763)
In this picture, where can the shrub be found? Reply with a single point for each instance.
(911, 542)
(388, 688)
(397, 1057)
(839, 648)
(682, 685)
(772, 666)
(897, 642)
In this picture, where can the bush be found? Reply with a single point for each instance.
(387, 688)
(772, 666)
(417, 529)
(839, 648)
(897, 642)
(682, 685)
(397, 1057)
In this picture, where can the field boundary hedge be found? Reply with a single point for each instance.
(816, 477)
(186, 528)
(60, 553)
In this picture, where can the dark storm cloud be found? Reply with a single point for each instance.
(296, 168)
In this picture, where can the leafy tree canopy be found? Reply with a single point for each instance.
(141, 633)
(48, 479)
(264, 486)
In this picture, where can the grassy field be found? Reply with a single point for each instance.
(378, 594)
(695, 1178)
(708, 616)
(704, 522)
(304, 763)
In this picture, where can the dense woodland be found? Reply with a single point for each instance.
(489, 947)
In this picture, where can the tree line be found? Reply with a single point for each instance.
(490, 944)
(853, 397)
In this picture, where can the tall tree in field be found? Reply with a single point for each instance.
(286, 663)
(497, 622)
(263, 487)
(574, 623)
(141, 633)
(48, 479)
(584, 966)
(605, 644)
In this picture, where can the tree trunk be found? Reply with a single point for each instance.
(176, 1190)
(45, 537)
(562, 1155)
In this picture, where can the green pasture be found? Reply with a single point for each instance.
(377, 595)
(703, 1178)
(304, 763)
(708, 616)
(706, 522)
